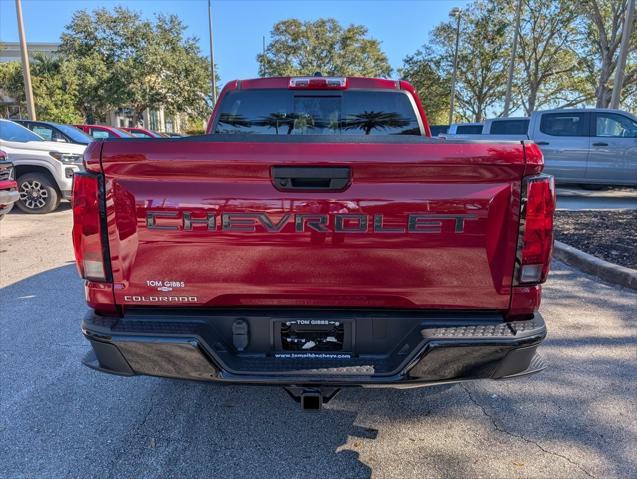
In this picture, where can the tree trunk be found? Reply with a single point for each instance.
(603, 91)
(532, 98)
(608, 43)
(138, 116)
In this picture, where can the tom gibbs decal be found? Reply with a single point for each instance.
(165, 286)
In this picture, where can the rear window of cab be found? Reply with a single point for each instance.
(287, 112)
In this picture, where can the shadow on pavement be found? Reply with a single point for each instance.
(62, 419)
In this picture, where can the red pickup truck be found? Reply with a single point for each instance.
(8, 186)
(316, 237)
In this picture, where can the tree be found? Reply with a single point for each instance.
(549, 66)
(482, 64)
(554, 65)
(54, 88)
(368, 121)
(12, 84)
(303, 48)
(423, 70)
(124, 60)
(482, 61)
(602, 23)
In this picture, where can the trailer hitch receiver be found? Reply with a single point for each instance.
(311, 399)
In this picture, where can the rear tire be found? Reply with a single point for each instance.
(38, 194)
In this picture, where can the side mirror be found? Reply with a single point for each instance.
(3, 155)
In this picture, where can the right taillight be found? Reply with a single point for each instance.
(535, 243)
(87, 227)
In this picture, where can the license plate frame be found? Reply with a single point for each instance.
(333, 336)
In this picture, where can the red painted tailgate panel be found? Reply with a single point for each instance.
(468, 269)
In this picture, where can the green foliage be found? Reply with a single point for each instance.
(11, 81)
(482, 65)
(423, 70)
(124, 60)
(567, 56)
(567, 53)
(303, 48)
(550, 67)
(195, 131)
(601, 24)
(54, 88)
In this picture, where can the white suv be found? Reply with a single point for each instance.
(43, 169)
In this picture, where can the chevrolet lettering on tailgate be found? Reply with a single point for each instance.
(321, 223)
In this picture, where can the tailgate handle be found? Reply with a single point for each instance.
(315, 178)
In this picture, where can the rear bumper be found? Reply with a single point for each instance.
(430, 349)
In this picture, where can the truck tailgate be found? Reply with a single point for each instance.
(427, 224)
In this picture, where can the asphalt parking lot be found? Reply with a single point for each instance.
(60, 419)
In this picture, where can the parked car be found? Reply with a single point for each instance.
(438, 129)
(101, 132)
(142, 132)
(585, 145)
(588, 146)
(465, 129)
(44, 169)
(506, 126)
(57, 132)
(8, 186)
(284, 247)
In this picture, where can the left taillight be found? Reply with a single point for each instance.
(535, 244)
(87, 227)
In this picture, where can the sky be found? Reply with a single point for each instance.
(239, 25)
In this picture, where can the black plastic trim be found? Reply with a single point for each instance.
(106, 251)
(311, 178)
(451, 350)
(355, 139)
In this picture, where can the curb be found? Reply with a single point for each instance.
(610, 272)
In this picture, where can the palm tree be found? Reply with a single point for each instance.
(374, 120)
(45, 64)
(276, 120)
(234, 120)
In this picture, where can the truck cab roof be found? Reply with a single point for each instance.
(582, 110)
(318, 83)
